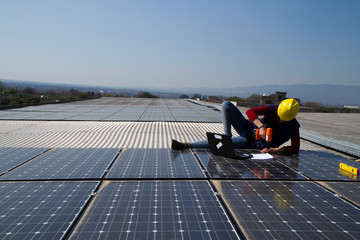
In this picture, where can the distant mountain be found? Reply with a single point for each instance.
(326, 94)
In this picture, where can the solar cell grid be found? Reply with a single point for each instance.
(65, 164)
(155, 210)
(40, 210)
(319, 165)
(289, 210)
(221, 167)
(12, 157)
(156, 163)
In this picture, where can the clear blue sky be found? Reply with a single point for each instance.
(184, 43)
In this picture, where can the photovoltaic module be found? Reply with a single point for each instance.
(155, 210)
(13, 157)
(319, 165)
(289, 210)
(66, 163)
(221, 167)
(40, 210)
(156, 163)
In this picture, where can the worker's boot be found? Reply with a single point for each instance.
(176, 145)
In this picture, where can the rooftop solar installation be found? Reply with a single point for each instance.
(346, 190)
(155, 164)
(65, 164)
(155, 210)
(289, 210)
(41, 210)
(319, 165)
(221, 167)
(13, 157)
(133, 186)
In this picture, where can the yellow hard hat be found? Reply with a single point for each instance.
(288, 109)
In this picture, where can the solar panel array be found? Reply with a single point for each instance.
(121, 109)
(166, 194)
(159, 193)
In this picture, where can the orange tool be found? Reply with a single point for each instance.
(257, 134)
(268, 138)
(269, 133)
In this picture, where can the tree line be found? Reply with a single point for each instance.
(10, 96)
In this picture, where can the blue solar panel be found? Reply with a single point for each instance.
(155, 210)
(41, 210)
(156, 163)
(319, 165)
(221, 167)
(346, 190)
(13, 157)
(66, 163)
(289, 210)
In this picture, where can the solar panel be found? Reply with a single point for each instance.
(221, 167)
(289, 210)
(155, 210)
(13, 157)
(40, 210)
(156, 163)
(319, 165)
(347, 190)
(66, 164)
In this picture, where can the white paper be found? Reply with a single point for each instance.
(262, 156)
(219, 145)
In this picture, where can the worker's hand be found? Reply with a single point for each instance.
(273, 150)
(262, 133)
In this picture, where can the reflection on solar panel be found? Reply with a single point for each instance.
(66, 164)
(156, 163)
(289, 210)
(347, 190)
(221, 167)
(155, 210)
(40, 210)
(320, 165)
(12, 157)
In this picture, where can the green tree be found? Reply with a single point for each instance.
(145, 95)
(254, 98)
(184, 96)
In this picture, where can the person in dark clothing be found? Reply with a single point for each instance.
(280, 118)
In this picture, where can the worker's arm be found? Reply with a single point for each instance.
(253, 114)
(293, 148)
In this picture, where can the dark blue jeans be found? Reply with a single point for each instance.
(231, 116)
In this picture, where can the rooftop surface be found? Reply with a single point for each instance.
(103, 169)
